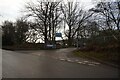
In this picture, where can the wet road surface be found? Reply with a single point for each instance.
(0, 64)
(52, 64)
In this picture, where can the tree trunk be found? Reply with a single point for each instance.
(69, 37)
(46, 40)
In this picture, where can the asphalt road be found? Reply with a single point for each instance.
(0, 64)
(51, 64)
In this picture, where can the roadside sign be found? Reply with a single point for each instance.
(58, 35)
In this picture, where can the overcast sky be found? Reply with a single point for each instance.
(11, 9)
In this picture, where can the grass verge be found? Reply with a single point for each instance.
(110, 57)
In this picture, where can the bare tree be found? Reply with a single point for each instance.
(74, 17)
(109, 13)
(46, 15)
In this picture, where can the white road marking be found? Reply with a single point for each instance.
(86, 61)
(39, 54)
(79, 62)
(91, 64)
(62, 59)
(69, 60)
(83, 63)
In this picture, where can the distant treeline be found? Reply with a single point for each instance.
(96, 27)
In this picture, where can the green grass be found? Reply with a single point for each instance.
(111, 57)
